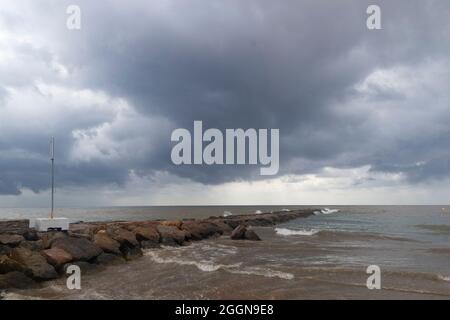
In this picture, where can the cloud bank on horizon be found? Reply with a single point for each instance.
(363, 114)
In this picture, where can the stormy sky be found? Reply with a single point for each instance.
(364, 115)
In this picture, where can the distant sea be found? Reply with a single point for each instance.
(324, 256)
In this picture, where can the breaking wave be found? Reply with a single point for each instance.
(227, 213)
(290, 232)
(326, 211)
(211, 266)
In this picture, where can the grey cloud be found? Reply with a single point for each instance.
(260, 64)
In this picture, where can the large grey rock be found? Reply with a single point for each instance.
(79, 248)
(34, 264)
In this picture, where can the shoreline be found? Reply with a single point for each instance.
(29, 258)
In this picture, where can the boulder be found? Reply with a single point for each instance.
(199, 230)
(106, 243)
(223, 226)
(238, 233)
(125, 237)
(171, 223)
(83, 230)
(14, 226)
(9, 265)
(147, 233)
(15, 280)
(242, 233)
(4, 250)
(251, 235)
(171, 235)
(109, 259)
(78, 248)
(49, 237)
(31, 235)
(34, 264)
(56, 256)
(11, 239)
(131, 253)
(32, 245)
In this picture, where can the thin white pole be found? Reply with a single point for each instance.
(52, 158)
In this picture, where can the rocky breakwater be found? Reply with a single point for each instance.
(28, 257)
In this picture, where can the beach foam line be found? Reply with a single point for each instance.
(227, 213)
(290, 232)
(264, 272)
(209, 266)
(206, 266)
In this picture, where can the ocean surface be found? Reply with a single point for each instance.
(324, 256)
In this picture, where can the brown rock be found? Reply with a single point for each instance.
(49, 237)
(15, 280)
(238, 233)
(9, 265)
(224, 227)
(32, 245)
(78, 248)
(34, 264)
(147, 233)
(14, 226)
(11, 239)
(106, 243)
(199, 230)
(172, 223)
(123, 236)
(56, 256)
(171, 235)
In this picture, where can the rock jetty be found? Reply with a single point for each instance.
(28, 257)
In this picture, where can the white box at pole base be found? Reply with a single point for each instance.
(45, 224)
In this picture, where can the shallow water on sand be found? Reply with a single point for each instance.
(320, 257)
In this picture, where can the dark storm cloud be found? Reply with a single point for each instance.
(252, 64)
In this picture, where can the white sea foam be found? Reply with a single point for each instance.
(444, 278)
(211, 266)
(329, 211)
(264, 272)
(204, 265)
(258, 212)
(16, 296)
(287, 210)
(227, 213)
(326, 211)
(290, 232)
